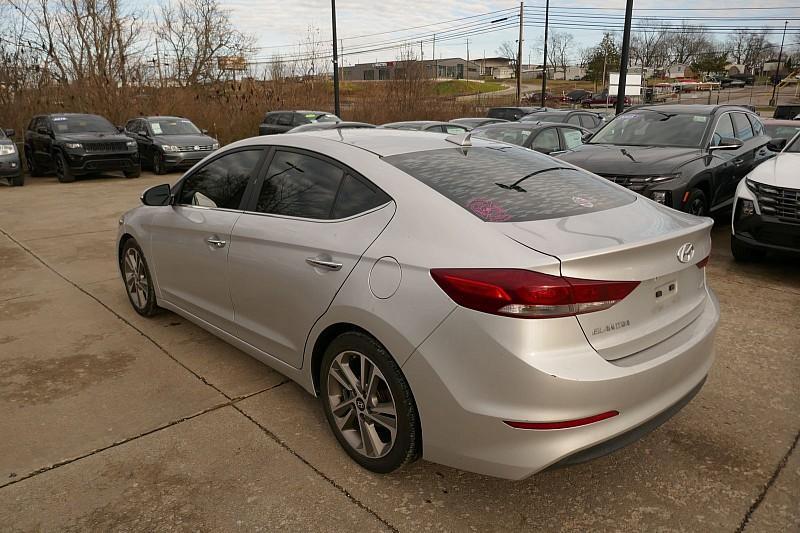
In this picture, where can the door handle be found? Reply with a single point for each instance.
(319, 263)
(216, 242)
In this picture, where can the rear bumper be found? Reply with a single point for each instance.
(477, 370)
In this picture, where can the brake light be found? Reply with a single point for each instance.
(704, 262)
(527, 294)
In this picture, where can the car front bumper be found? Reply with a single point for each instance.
(476, 371)
(175, 160)
(81, 163)
(10, 166)
(760, 230)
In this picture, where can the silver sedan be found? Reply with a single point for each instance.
(466, 301)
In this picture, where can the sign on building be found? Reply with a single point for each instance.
(633, 84)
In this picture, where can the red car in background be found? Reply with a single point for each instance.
(603, 99)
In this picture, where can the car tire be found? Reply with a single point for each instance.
(359, 410)
(696, 204)
(18, 181)
(743, 252)
(135, 173)
(63, 172)
(158, 163)
(137, 279)
(30, 162)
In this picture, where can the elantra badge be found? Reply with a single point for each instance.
(685, 252)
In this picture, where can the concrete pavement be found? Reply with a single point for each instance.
(109, 421)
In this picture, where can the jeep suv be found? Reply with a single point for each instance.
(75, 145)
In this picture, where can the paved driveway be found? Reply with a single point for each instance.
(109, 421)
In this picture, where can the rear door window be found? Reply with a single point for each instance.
(285, 119)
(589, 122)
(572, 137)
(744, 130)
(547, 141)
(510, 184)
(574, 119)
(758, 126)
(356, 196)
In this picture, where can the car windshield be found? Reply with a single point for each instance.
(82, 124)
(645, 127)
(781, 131)
(173, 126)
(506, 134)
(794, 146)
(510, 184)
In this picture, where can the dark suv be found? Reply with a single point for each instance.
(690, 157)
(283, 121)
(10, 168)
(587, 120)
(74, 144)
(169, 143)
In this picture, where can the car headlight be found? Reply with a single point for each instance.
(169, 148)
(654, 179)
(215, 146)
(73, 146)
(131, 144)
(7, 149)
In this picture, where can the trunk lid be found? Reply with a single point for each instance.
(640, 241)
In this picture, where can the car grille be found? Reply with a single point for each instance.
(196, 148)
(633, 183)
(777, 201)
(94, 148)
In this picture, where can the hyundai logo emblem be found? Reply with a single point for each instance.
(685, 252)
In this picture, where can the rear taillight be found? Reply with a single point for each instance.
(527, 294)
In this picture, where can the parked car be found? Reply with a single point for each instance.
(73, 144)
(544, 137)
(766, 214)
(441, 295)
(787, 112)
(781, 129)
(731, 83)
(317, 126)
(10, 167)
(690, 157)
(512, 113)
(477, 122)
(576, 96)
(603, 99)
(283, 121)
(169, 143)
(587, 120)
(427, 125)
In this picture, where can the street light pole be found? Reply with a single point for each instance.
(337, 110)
(544, 66)
(623, 62)
(519, 57)
(774, 100)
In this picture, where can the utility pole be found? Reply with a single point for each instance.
(519, 56)
(158, 66)
(341, 54)
(775, 93)
(544, 66)
(435, 62)
(466, 67)
(336, 108)
(623, 62)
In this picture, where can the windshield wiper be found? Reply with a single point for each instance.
(515, 186)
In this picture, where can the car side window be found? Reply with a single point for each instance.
(299, 118)
(222, 182)
(758, 126)
(589, 122)
(356, 196)
(299, 185)
(572, 137)
(574, 119)
(724, 130)
(271, 118)
(285, 119)
(454, 129)
(744, 130)
(547, 141)
(436, 128)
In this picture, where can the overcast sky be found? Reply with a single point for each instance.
(279, 25)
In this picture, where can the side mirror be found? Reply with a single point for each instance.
(142, 133)
(774, 145)
(10, 133)
(727, 143)
(160, 195)
(41, 131)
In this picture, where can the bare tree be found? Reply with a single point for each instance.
(649, 47)
(509, 51)
(196, 33)
(687, 43)
(749, 48)
(559, 49)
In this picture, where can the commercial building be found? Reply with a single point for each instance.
(446, 68)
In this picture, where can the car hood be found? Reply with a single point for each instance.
(184, 140)
(93, 137)
(780, 171)
(640, 160)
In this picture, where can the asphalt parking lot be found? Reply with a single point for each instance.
(110, 421)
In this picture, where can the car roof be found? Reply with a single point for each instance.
(379, 141)
(299, 111)
(695, 109)
(416, 123)
(527, 124)
(153, 117)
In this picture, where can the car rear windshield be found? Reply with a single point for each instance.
(645, 127)
(546, 117)
(510, 184)
(81, 124)
(173, 126)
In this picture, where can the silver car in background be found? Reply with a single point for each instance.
(471, 302)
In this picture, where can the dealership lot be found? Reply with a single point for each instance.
(113, 421)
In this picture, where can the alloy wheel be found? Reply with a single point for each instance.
(362, 404)
(136, 281)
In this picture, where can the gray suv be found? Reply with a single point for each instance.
(169, 143)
